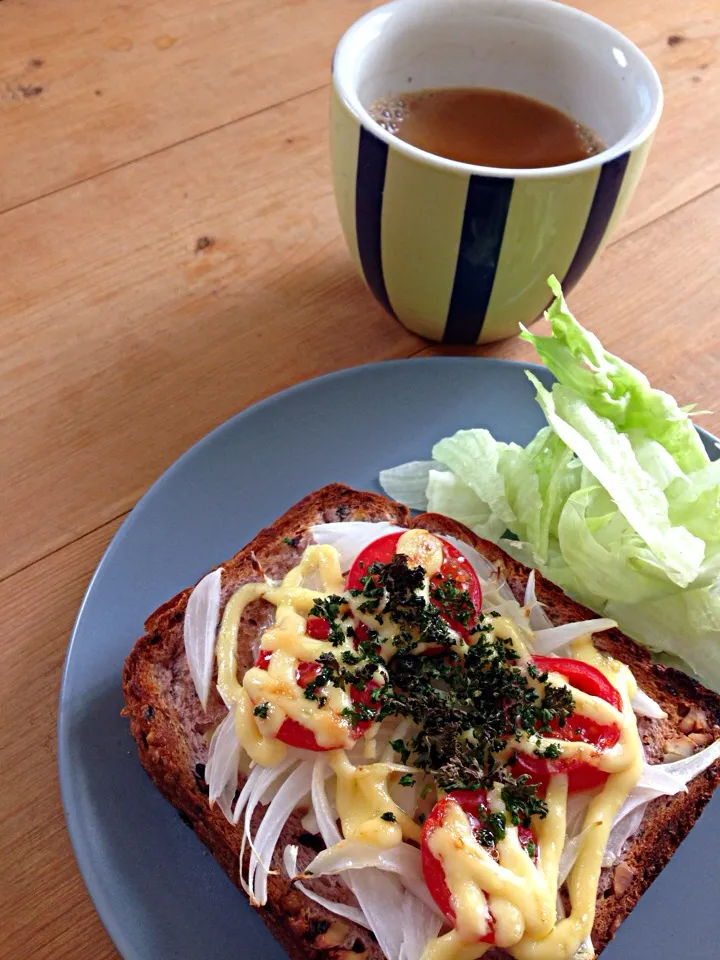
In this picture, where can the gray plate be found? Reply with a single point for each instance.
(158, 891)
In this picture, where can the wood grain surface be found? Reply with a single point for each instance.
(170, 254)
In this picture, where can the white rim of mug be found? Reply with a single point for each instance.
(624, 145)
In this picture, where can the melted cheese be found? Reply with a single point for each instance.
(263, 750)
(505, 629)
(226, 644)
(451, 946)
(363, 795)
(518, 893)
(467, 866)
(288, 644)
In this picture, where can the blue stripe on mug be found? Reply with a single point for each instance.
(606, 194)
(486, 211)
(370, 183)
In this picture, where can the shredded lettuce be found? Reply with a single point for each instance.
(615, 500)
(462, 453)
(446, 491)
(612, 388)
(408, 482)
(608, 455)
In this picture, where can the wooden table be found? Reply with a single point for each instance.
(171, 254)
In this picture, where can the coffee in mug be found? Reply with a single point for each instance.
(486, 127)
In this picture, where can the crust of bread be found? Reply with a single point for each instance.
(172, 731)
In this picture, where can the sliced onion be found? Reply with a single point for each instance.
(276, 816)
(530, 597)
(403, 859)
(290, 855)
(324, 812)
(576, 810)
(345, 910)
(248, 787)
(225, 801)
(576, 813)
(350, 538)
(656, 780)
(640, 797)
(355, 855)
(690, 767)
(262, 778)
(368, 898)
(408, 482)
(418, 889)
(381, 900)
(539, 620)
(256, 773)
(586, 950)
(200, 626)
(645, 706)
(547, 641)
(419, 925)
(221, 769)
(568, 857)
(380, 896)
(622, 830)
(309, 822)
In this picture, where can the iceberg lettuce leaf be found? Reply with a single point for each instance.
(613, 388)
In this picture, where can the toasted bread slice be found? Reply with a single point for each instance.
(172, 730)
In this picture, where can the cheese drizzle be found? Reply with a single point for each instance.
(518, 893)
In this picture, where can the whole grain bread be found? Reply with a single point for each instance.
(172, 730)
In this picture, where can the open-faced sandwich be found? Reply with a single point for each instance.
(402, 743)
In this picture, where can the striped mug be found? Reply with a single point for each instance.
(461, 253)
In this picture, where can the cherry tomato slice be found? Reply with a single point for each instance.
(362, 633)
(455, 567)
(306, 672)
(263, 658)
(474, 804)
(365, 698)
(581, 775)
(381, 550)
(295, 734)
(583, 676)
(318, 628)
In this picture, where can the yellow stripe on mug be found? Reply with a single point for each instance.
(344, 139)
(422, 217)
(635, 167)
